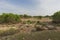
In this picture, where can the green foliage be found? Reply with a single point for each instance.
(29, 22)
(21, 16)
(9, 18)
(25, 16)
(47, 16)
(56, 17)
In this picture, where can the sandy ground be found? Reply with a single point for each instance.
(15, 26)
(6, 28)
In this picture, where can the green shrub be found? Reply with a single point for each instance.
(9, 18)
(56, 17)
(29, 22)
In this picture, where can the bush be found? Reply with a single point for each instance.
(9, 18)
(38, 23)
(29, 22)
(56, 17)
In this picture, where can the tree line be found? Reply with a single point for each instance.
(14, 18)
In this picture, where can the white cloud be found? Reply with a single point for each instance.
(49, 6)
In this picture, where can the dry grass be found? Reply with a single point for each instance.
(35, 19)
(43, 35)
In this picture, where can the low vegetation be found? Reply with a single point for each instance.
(9, 18)
(30, 29)
(44, 35)
(56, 17)
(11, 31)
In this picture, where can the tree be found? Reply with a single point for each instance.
(56, 17)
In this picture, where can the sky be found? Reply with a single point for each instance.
(30, 7)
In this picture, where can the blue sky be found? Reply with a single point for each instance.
(23, 3)
(30, 7)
